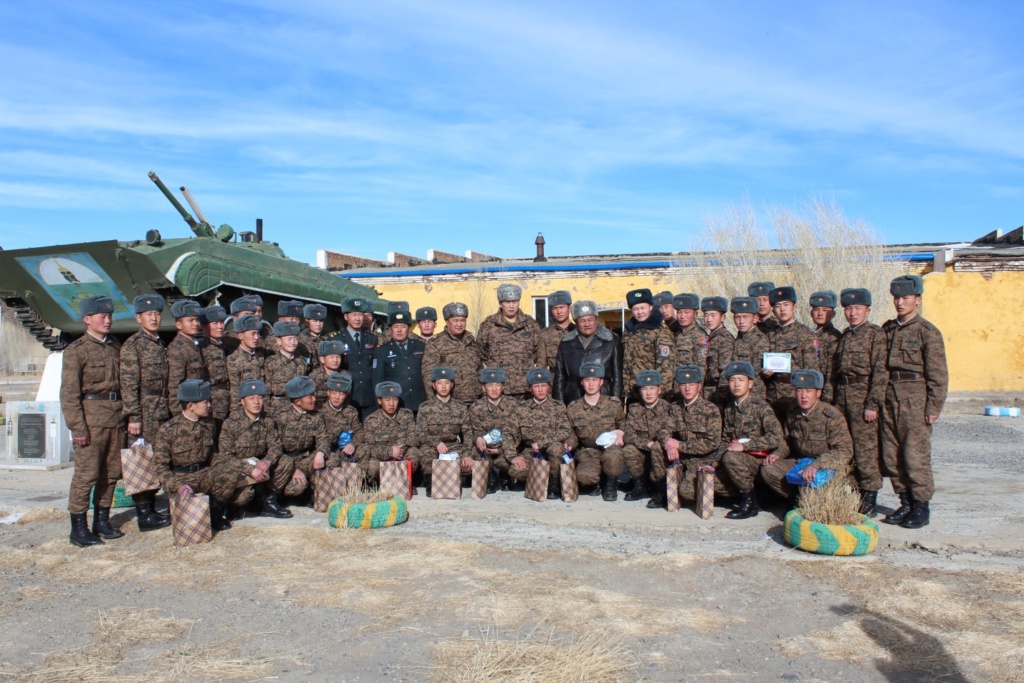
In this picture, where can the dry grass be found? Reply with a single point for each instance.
(18, 347)
(365, 496)
(836, 503)
(43, 514)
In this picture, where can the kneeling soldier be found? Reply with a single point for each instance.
(304, 436)
(543, 428)
(493, 411)
(590, 416)
(388, 433)
(645, 421)
(439, 425)
(750, 432)
(340, 417)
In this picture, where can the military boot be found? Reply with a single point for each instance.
(610, 492)
(918, 516)
(272, 508)
(494, 480)
(639, 490)
(747, 507)
(659, 497)
(868, 503)
(426, 484)
(144, 515)
(80, 534)
(554, 488)
(101, 525)
(217, 520)
(903, 511)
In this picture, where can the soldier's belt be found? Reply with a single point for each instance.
(903, 375)
(219, 385)
(187, 469)
(110, 396)
(158, 393)
(854, 379)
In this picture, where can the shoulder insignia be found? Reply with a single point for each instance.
(78, 342)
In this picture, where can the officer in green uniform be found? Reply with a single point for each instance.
(400, 360)
(358, 349)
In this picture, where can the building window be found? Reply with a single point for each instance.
(540, 310)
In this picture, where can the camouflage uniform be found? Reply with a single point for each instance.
(551, 337)
(717, 352)
(647, 346)
(307, 347)
(698, 428)
(463, 355)
(277, 370)
(186, 454)
(643, 425)
(338, 421)
(303, 435)
(915, 348)
(749, 346)
(589, 422)
(689, 346)
(754, 420)
(516, 348)
(242, 438)
(380, 433)
(821, 434)
(216, 362)
(546, 424)
(796, 340)
(860, 382)
(144, 383)
(769, 323)
(243, 365)
(440, 421)
(483, 416)
(184, 361)
(89, 379)
(826, 341)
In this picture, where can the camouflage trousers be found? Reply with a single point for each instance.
(775, 476)
(907, 440)
(426, 455)
(634, 458)
(592, 462)
(866, 453)
(688, 480)
(99, 465)
(280, 477)
(552, 453)
(742, 469)
(218, 481)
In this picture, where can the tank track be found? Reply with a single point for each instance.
(39, 329)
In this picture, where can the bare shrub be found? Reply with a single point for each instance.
(18, 348)
(837, 502)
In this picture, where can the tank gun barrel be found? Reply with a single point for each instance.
(194, 204)
(201, 229)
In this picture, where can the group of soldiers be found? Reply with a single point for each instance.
(252, 418)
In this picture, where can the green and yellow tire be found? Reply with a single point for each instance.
(828, 539)
(367, 515)
(121, 499)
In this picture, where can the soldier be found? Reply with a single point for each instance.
(426, 323)
(860, 382)
(248, 359)
(510, 339)
(788, 336)
(690, 337)
(391, 308)
(765, 310)
(646, 420)
(250, 435)
(718, 345)
(456, 348)
(692, 440)
(341, 418)
(826, 337)
(91, 402)
(212, 350)
(184, 360)
(143, 363)
(283, 366)
(590, 416)
(329, 354)
(663, 301)
(400, 360)
(751, 344)
(389, 434)
(916, 392)
(750, 432)
(813, 429)
(493, 411)
(439, 426)
(186, 459)
(358, 347)
(312, 335)
(241, 306)
(304, 437)
(544, 429)
(646, 344)
(559, 304)
(590, 342)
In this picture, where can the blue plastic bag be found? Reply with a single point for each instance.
(795, 476)
(344, 439)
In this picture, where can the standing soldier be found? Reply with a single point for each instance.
(861, 380)
(391, 308)
(765, 311)
(426, 322)
(329, 354)
(389, 434)
(789, 336)
(646, 344)
(439, 426)
(826, 338)
(493, 411)
(590, 342)
(400, 360)
(248, 359)
(144, 393)
(690, 337)
(358, 347)
(590, 416)
(312, 335)
(751, 344)
(543, 428)
(663, 301)
(212, 350)
(340, 417)
(510, 339)
(718, 345)
(551, 336)
(184, 360)
(916, 392)
(241, 306)
(284, 365)
(304, 437)
(455, 348)
(646, 420)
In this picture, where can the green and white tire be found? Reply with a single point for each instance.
(829, 539)
(367, 515)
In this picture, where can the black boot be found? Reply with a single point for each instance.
(101, 525)
(639, 490)
(426, 484)
(658, 495)
(903, 511)
(868, 502)
(493, 480)
(554, 488)
(747, 507)
(272, 508)
(80, 534)
(144, 515)
(594, 490)
(611, 489)
(217, 520)
(467, 481)
(918, 516)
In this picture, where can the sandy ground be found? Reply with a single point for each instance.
(664, 596)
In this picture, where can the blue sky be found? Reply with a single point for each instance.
(368, 127)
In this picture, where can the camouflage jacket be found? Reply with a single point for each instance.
(439, 421)
(690, 345)
(917, 346)
(752, 419)
(749, 346)
(718, 351)
(92, 367)
(243, 365)
(338, 421)
(278, 370)
(184, 361)
(463, 355)
(381, 432)
(546, 424)
(308, 347)
(826, 341)
(319, 377)
(302, 433)
(551, 337)
(647, 423)
(697, 426)
(144, 383)
(821, 433)
(241, 438)
(647, 345)
(216, 361)
(796, 340)
(768, 323)
(181, 442)
(483, 416)
(590, 421)
(862, 353)
(516, 348)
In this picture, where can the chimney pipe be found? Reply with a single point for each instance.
(540, 248)
(259, 230)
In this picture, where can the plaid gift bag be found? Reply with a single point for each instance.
(446, 481)
(570, 488)
(705, 494)
(537, 479)
(481, 471)
(329, 483)
(672, 476)
(396, 478)
(137, 468)
(190, 519)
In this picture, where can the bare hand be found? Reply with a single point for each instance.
(263, 465)
(770, 458)
(318, 461)
(706, 469)
(259, 474)
(81, 441)
(134, 428)
(519, 461)
(397, 451)
(672, 454)
(481, 445)
(672, 445)
(620, 437)
(349, 450)
(809, 472)
(299, 478)
(931, 419)
(467, 463)
(735, 446)
(442, 448)
(870, 415)
(185, 491)
(768, 373)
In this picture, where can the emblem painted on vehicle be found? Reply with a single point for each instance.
(69, 278)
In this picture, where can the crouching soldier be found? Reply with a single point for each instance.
(750, 432)
(543, 428)
(493, 411)
(304, 436)
(590, 416)
(186, 459)
(645, 421)
(389, 434)
(439, 425)
(692, 440)
(813, 429)
(341, 418)
(249, 435)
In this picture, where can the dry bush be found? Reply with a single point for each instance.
(18, 347)
(835, 503)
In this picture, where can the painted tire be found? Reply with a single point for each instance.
(367, 515)
(121, 499)
(827, 539)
